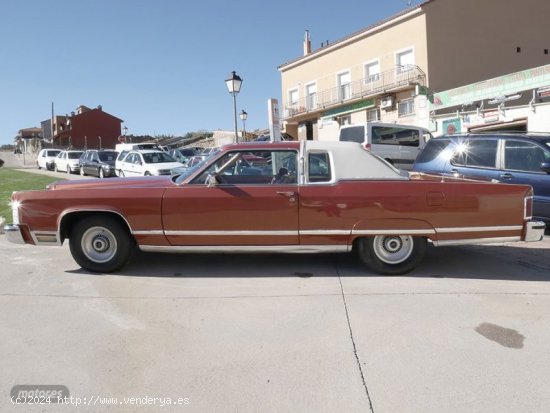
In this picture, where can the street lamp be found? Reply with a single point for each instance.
(125, 132)
(234, 87)
(243, 117)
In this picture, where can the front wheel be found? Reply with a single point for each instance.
(82, 173)
(391, 254)
(100, 244)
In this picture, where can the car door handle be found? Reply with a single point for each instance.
(506, 176)
(289, 194)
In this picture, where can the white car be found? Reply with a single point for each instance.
(46, 158)
(148, 162)
(67, 161)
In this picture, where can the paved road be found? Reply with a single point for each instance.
(467, 332)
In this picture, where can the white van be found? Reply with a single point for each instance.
(398, 144)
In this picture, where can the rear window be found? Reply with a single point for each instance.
(353, 134)
(52, 153)
(432, 150)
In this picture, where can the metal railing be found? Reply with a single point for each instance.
(368, 86)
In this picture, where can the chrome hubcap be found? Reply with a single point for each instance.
(99, 244)
(393, 249)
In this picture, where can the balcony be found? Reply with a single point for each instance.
(389, 81)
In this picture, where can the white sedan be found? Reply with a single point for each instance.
(67, 161)
(147, 162)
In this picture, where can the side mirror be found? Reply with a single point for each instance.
(545, 166)
(213, 179)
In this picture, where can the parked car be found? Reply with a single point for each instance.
(351, 199)
(46, 158)
(100, 163)
(182, 154)
(146, 163)
(516, 158)
(68, 161)
(397, 144)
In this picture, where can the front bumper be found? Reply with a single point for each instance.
(13, 234)
(534, 231)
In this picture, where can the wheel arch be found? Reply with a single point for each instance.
(392, 226)
(68, 219)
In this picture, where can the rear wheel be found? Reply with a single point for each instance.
(147, 173)
(100, 244)
(391, 254)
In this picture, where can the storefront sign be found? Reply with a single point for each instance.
(489, 89)
(451, 126)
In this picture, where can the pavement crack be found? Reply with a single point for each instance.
(353, 341)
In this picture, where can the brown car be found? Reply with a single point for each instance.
(295, 197)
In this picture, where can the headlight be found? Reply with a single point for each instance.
(106, 167)
(15, 211)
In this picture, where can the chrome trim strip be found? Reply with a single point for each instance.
(470, 241)
(145, 232)
(230, 233)
(392, 231)
(479, 229)
(45, 238)
(287, 249)
(326, 232)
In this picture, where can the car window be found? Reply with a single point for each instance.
(476, 152)
(384, 135)
(319, 167)
(157, 157)
(524, 156)
(253, 167)
(108, 156)
(73, 155)
(434, 148)
(352, 134)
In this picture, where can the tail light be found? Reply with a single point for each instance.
(528, 207)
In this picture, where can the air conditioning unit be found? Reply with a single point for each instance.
(386, 102)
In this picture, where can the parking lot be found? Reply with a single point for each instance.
(467, 331)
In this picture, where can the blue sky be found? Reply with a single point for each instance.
(160, 65)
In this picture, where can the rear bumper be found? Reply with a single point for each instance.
(13, 234)
(534, 231)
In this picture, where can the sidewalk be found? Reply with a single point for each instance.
(12, 160)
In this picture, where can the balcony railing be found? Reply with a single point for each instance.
(365, 87)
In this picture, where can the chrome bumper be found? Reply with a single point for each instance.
(534, 231)
(13, 234)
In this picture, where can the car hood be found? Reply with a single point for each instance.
(113, 183)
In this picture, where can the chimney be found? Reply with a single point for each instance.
(307, 43)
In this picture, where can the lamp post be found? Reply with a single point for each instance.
(69, 132)
(243, 115)
(234, 87)
(125, 133)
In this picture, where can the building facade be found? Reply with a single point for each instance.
(387, 71)
(85, 129)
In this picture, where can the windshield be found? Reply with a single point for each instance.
(157, 157)
(74, 155)
(178, 179)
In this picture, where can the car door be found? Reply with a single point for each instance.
(475, 158)
(251, 203)
(522, 165)
(92, 164)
